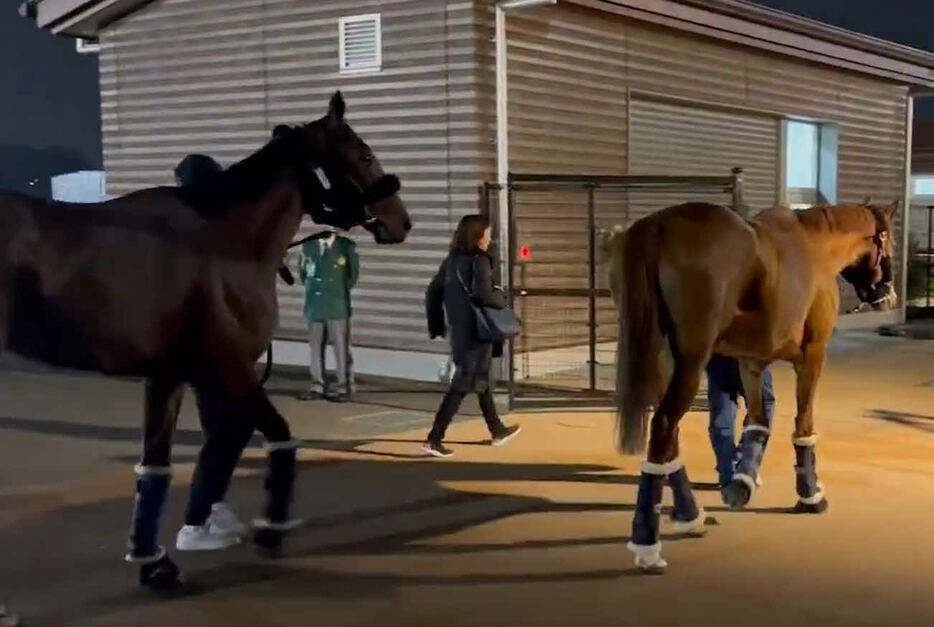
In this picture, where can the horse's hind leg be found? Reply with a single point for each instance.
(280, 475)
(811, 497)
(663, 462)
(754, 440)
(154, 472)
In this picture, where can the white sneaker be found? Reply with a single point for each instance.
(203, 538)
(224, 520)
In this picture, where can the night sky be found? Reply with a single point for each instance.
(908, 22)
(50, 108)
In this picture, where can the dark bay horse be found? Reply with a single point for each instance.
(698, 279)
(177, 285)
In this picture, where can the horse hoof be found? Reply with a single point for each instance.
(736, 495)
(812, 508)
(649, 558)
(654, 569)
(268, 542)
(160, 575)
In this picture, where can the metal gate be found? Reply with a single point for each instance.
(566, 354)
(920, 284)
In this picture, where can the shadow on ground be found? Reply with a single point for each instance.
(362, 506)
(912, 421)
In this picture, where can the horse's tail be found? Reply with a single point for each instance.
(640, 338)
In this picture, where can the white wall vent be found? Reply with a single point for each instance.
(361, 43)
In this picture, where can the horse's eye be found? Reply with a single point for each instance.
(368, 157)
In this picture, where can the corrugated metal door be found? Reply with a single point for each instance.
(567, 115)
(677, 139)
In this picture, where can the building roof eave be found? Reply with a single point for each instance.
(737, 21)
(753, 25)
(78, 18)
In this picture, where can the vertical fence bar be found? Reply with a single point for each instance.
(927, 260)
(592, 284)
(511, 263)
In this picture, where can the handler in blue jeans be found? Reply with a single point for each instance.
(724, 387)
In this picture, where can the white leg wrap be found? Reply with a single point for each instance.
(141, 470)
(808, 440)
(265, 523)
(648, 557)
(145, 560)
(662, 470)
(761, 428)
(651, 468)
(675, 465)
(694, 527)
(281, 446)
(749, 481)
(817, 497)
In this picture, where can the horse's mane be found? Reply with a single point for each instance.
(836, 218)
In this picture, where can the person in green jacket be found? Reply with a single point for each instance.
(328, 268)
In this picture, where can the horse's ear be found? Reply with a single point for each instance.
(866, 201)
(337, 107)
(281, 130)
(889, 210)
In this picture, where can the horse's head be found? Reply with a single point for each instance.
(871, 273)
(342, 181)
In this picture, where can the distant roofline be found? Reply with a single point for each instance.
(737, 21)
(761, 27)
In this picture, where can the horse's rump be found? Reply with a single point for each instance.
(684, 271)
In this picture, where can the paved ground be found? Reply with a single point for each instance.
(531, 534)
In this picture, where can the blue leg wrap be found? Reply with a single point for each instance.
(752, 448)
(806, 473)
(151, 491)
(685, 509)
(645, 522)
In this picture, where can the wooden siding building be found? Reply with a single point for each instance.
(458, 93)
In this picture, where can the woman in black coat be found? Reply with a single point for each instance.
(467, 267)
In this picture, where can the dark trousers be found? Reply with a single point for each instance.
(228, 426)
(452, 402)
(724, 387)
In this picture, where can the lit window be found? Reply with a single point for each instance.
(923, 186)
(810, 164)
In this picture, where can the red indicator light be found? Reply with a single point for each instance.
(525, 252)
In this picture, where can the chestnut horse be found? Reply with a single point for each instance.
(698, 279)
(178, 286)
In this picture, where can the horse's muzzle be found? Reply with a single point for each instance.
(881, 297)
(382, 234)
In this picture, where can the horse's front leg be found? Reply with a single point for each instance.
(163, 399)
(755, 437)
(810, 492)
(663, 462)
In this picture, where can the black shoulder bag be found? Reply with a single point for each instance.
(493, 325)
